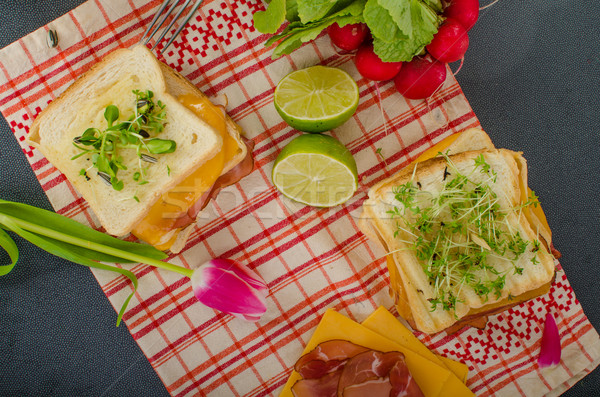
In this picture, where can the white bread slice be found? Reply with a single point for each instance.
(409, 279)
(537, 225)
(82, 105)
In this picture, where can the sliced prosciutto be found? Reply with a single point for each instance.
(327, 357)
(372, 388)
(325, 386)
(403, 384)
(377, 374)
(367, 366)
(338, 368)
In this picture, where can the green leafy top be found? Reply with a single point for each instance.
(456, 233)
(270, 20)
(297, 32)
(400, 28)
(136, 133)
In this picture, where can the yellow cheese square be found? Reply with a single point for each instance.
(384, 323)
(430, 377)
(460, 370)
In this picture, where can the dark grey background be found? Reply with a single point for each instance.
(532, 76)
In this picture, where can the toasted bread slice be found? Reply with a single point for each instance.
(471, 139)
(410, 284)
(82, 105)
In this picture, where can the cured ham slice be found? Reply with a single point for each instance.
(368, 366)
(372, 388)
(327, 357)
(325, 386)
(402, 382)
(339, 368)
(377, 374)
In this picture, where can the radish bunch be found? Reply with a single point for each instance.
(424, 74)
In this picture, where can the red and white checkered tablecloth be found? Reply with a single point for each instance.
(312, 259)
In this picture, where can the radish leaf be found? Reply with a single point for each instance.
(291, 13)
(400, 28)
(381, 23)
(306, 33)
(270, 20)
(314, 10)
(297, 33)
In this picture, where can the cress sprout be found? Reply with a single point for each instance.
(454, 233)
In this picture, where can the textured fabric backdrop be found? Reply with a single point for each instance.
(312, 259)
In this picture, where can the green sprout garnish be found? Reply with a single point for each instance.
(137, 133)
(378, 152)
(456, 232)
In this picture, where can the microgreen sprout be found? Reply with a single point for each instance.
(378, 151)
(460, 232)
(137, 133)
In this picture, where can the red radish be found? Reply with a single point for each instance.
(465, 12)
(348, 37)
(371, 67)
(450, 42)
(420, 78)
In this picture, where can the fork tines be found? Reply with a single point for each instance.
(161, 17)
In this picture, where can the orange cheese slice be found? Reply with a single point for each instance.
(157, 228)
(433, 151)
(430, 376)
(384, 323)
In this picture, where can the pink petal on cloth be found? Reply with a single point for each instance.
(550, 349)
(230, 287)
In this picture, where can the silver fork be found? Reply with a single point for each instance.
(160, 18)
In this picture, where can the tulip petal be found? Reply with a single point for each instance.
(232, 288)
(550, 349)
(242, 271)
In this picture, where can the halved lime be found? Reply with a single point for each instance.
(316, 99)
(315, 170)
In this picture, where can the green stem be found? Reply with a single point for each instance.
(98, 247)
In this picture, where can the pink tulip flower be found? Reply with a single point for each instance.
(230, 287)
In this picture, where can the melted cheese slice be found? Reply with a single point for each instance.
(433, 151)
(431, 376)
(157, 228)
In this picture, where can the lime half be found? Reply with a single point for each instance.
(316, 170)
(316, 99)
